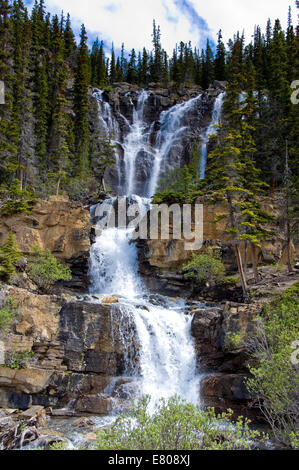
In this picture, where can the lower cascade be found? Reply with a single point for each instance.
(166, 364)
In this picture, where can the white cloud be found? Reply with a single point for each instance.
(130, 21)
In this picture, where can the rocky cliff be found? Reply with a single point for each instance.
(56, 224)
(161, 261)
(124, 103)
(78, 348)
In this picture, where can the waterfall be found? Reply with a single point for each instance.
(172, 128)
(167, 360)
(146, 151)
(135, 143)
(216, 115)
(166, 354)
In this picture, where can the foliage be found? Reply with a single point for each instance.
(7, 315)
(236, 340)
(204, 268)
(9, 256)
(16, 200)
(177, 425)
(229, 280)
(18, 360)
(45, 269)
(59, 446)
(275, 380)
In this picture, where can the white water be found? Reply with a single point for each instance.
(167, 358)
(168, 137)
(216, 115)
(141, 154)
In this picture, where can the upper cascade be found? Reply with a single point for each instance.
(150, 138)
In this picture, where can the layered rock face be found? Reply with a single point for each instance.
(56, 224)
(220, 335)
(161, 261)
(78, 348)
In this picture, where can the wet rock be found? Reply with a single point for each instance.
(94, 404)
(223, 391)
(83, 423)
(110, 300)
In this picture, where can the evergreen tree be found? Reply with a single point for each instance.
(220, 72)
(82, 80)
(69, 38)
(112, 75)
(9, 256)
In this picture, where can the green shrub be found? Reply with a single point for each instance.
(17, 200)
(177, 425)
(236, 340)
(18, 360)
(229, 280)
(7, 315)
(204, 267)
(9, 256)
(275, 378)
(44, 269)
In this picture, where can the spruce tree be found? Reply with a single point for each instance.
(81, 106)
(9, 256)
(220, 72)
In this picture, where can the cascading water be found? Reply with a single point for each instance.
(146, 152)
(167, 361)
(216, 115)
(171, 130)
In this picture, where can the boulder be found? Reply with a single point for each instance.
(227, 391)
(94, 404)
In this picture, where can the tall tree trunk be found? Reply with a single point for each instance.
(289, 257)
(242, 275)
(254, 262)
(245, 259)
(58, 185)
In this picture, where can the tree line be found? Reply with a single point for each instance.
(46, 137)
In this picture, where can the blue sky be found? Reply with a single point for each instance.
(130, 21)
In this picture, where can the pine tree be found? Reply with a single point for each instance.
(132, 76)
(82, 80)
(220, 71)
(9, 256)
(112, 76)
(69, 38)
(59, 151)
(208, 67)
(8, 127)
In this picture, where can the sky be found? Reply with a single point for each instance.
(130, 21)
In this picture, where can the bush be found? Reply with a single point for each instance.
(45, 269)
(17, 200)
(204, 267)
(18, 360)
(177, 425)
(9, 256)
(275, 379)
(7, 315)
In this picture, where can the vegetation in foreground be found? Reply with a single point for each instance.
(177, 425)
(275, 378)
